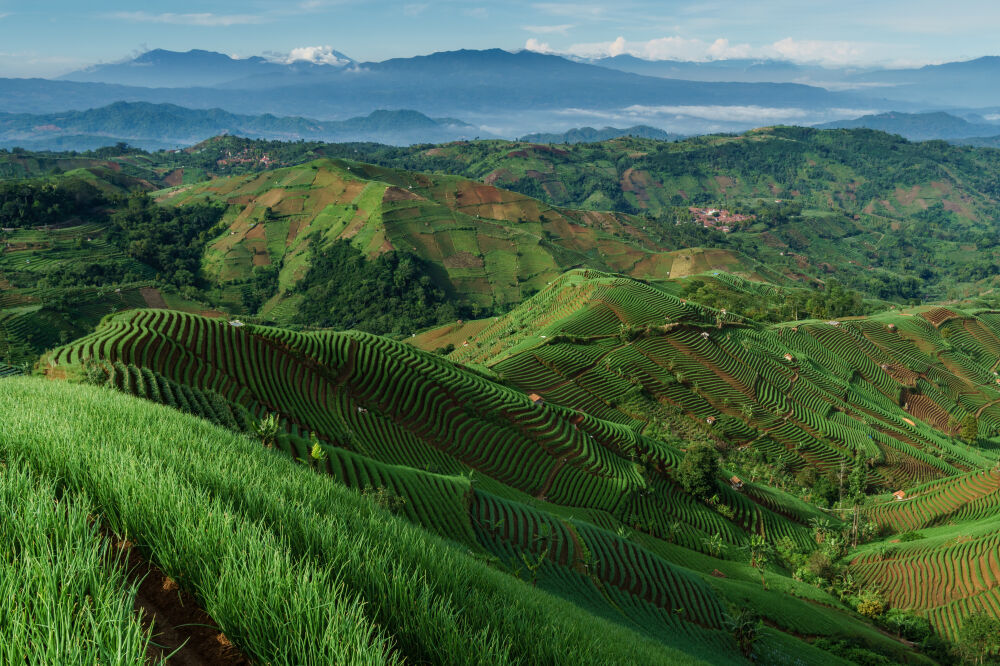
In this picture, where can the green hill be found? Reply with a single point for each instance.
(580, 504)
(893, 218)
(484, 246)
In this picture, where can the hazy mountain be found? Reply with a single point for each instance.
(745, 70)
(591, 135)
(493, 87)
(918, 126)
(154, 126)
(172, 69)
(969, 83)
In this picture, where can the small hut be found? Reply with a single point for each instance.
(536, 399)
(899, 495)
(736, 482)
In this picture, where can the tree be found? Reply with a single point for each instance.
(970, 428)
(698, 470)
(745, 625)
(760, 554)
(979, 637)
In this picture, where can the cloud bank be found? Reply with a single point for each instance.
(823, 52)
(320, 55)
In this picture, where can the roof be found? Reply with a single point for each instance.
(534, 397)
(899, 494)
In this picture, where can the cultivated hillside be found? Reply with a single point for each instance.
(486, 246)
(585, 508)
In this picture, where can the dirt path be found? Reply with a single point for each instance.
(180, 626)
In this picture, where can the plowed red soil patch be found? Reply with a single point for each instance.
(937, 316)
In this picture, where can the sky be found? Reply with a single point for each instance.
(56, 36)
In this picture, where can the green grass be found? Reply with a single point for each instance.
(292, 566)
(64, 598)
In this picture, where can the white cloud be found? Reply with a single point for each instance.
(537, 46)
(549, 29)
(733, 114)
(321, 55)
(813, 50)
(476, 12)
(202, 19)
(414, 9)
(682, 48)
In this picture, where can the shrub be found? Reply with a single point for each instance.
(698, 470)
(870, 604)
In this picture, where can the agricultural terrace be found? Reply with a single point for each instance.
(584, 508)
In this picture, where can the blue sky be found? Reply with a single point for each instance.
(45, 39)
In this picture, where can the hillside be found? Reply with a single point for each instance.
(275, 562)
(919, 126)
(888, 217)
(584, 508)
(486, 247)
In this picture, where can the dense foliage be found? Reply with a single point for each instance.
(35, 203)
(169, 239)
(394, 293)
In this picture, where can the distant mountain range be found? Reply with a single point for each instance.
(920, 126)
(591, 135)
(156, 126)
(506, 94)
(512, 93)
(969, 83)
(170, 69)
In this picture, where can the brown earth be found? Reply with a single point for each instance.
(180, 627)
(174, 178)
(153, 298)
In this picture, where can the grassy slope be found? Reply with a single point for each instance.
(846, 386)
(299, 550)
(539, 491)
(63, 594)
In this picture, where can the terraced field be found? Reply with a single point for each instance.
(580, 506)
(810, 393)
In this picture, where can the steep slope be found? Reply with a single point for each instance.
(581, 507)
(892, 218)
(293, 566)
